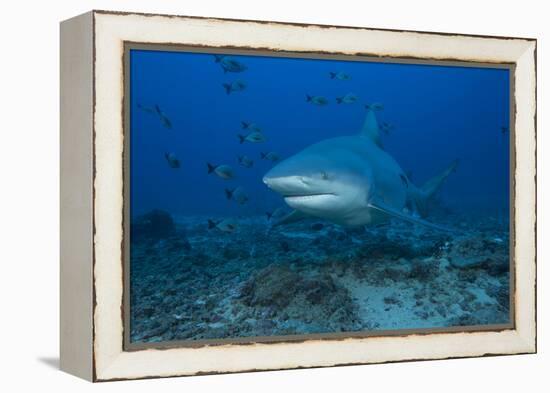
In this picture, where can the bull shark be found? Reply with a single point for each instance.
(352, 181)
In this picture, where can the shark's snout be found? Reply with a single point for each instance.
(268, 181)
(286, 185)
(280, 180)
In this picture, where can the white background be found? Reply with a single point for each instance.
(29, 208)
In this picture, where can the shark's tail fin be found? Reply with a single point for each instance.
(431, 186)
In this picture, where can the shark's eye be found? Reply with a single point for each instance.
(324, 175)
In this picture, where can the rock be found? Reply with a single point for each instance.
(318, 290)
(273, 286)
(394, 274)
(480, 253)
(501, 294)
(265, 324)
(360, 230)
(392, 300)
(146, 312)
(230, 253)
(154, 225)
(483, 315)
(316, 241)
(341, 236)
(291, 296)
(498, 266)
(178, 244)
(170, 292)
(422, 314)
(341, 315)
(285, 246)
(383, 248)
(424, 270)
(468, 263)
(441, 310)
(158, 330)
(317, 226)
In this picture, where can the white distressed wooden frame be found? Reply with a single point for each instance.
(92, 143)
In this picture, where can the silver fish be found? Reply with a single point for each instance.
(225, 225)
(253, 137)
(386, 127)
(245, 161)
(147, 109)
(340, 76)
(250, 126)
(219, 58)
(234, 86)
(223, 171)
(172, 160)
(155, 110)
(163, 118)
(349, 98)
(231, 65)
(271, 156)
(317, 100)
(238, 194)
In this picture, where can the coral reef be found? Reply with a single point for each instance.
(296, 299)
(189, 283)
(156, 224)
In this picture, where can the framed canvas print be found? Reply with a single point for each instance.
(245, 195)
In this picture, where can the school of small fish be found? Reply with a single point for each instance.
(251, 133)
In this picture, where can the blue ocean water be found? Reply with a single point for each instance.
(180, 107)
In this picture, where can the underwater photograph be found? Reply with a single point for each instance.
(275, 196)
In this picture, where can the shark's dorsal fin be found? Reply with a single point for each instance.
(370, 126)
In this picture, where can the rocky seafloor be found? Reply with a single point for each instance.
(189, 282)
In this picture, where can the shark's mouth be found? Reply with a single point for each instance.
(307, 197)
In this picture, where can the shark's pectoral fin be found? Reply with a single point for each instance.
(406, 217)
(293, 216)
